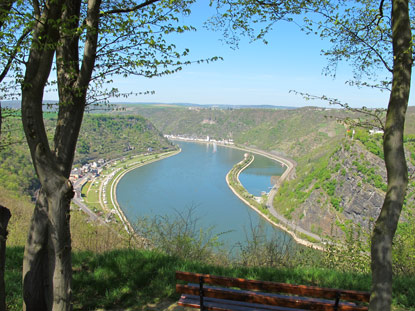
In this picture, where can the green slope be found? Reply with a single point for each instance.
(101, 136)
(292, 132)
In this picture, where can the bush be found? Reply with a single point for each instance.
(350, 255)
(181, 236)
(262, 249)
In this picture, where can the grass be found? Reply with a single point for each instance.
(124, 279)
(13, 278)
(90, 193)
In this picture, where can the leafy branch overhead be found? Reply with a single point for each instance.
(359, 31)
(132, 41)
(368, 118)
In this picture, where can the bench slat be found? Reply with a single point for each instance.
(263, 298)
(221, 304)
(301, 290)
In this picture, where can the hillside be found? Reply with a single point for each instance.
(104, 136)
(290, 132)
(339, 180)
(101, 136)
(345, 184)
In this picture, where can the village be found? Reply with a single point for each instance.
(197, 139)
(95, 168)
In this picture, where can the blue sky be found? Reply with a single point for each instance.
(254, 74)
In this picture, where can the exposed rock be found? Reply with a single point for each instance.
(359, 200)
(314, 216)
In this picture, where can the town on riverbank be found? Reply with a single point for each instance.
(95, 186)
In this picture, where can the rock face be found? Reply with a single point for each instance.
(316, 218)
(361, 199)
(358, 180)
(364, 203)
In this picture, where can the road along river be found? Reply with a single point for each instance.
(195, 178)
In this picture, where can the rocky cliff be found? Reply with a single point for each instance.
(344, 185)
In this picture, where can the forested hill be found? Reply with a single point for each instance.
(101, 136)
(106, 136)
(290, 131)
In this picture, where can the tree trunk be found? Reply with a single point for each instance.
(47, 262)
(4, 220)
(60, 243)
(47, 267)
(36, 260)
(397, 172)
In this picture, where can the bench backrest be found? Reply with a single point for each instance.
(272, 287)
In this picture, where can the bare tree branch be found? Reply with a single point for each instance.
(361, 40)
(132, 9)
(14, 53)
(377, 115)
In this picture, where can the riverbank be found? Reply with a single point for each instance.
(103, 196)
(232, 179)
(114, 182)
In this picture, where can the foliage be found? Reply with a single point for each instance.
(111, 136)
(313, 174)
(133, 278)
(15, 25)
(252, 18)
(181, 236)
(294, 132)
(359, 31)
(373, 143)
(404, 244)
(133, 39)
(97, 237)
(260, 249)
(352, 254)
(21, 208)
(16, 170)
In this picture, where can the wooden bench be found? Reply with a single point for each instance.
(223, 293)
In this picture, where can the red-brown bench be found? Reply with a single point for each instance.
(209, 292)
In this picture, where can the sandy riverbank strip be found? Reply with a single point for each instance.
(290, 166)
(114, 183)
(266, 217)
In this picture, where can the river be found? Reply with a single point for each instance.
(195, 179)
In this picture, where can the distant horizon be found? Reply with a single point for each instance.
(188, 104)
